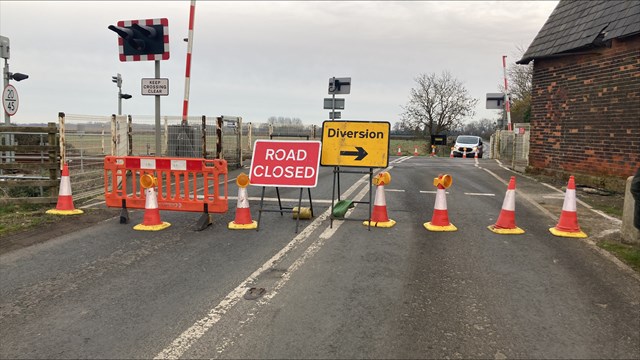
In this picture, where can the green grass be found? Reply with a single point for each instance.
(17, 217)
(629, 254)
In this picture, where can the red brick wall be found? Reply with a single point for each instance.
(586, 112)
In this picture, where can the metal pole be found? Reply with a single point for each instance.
(119, 100)
(5, 76)
(158, 144)
(507, 106)
(187, 76)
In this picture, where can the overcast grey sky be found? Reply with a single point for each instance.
(264, 58)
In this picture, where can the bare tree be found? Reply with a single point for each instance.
(437, 104)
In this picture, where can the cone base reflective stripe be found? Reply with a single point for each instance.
(144, 227)
(380, 224)
(252, 225)
(573, 234)
(429, 226)
(503, 231)
(65, 212)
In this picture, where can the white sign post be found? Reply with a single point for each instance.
(10, 100)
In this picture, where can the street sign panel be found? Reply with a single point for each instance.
(10, 100)
(339, 85)
(328, 104)
(495, 101)
(335, 114)
(285, 163)
(152, 86)
(355, 143)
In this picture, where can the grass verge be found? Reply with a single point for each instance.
(629, 254)
(15, 218)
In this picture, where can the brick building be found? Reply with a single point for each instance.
(585, 117)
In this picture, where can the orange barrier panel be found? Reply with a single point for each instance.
(184, 184)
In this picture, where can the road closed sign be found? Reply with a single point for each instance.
(285, 163)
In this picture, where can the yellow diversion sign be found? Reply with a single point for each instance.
(355, 143)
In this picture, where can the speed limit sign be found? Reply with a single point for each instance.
(10, 100)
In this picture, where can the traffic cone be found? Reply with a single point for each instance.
(415, 150)
(464, 153)
(568, 223)
(399, 151)
(506, 223)
(65, 200)
(433, 150)
(440, 218)
(151, 219)
(451, 155)
(379, 218)
(476, 153)
(243, 214)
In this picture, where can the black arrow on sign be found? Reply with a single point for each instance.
(360, 154)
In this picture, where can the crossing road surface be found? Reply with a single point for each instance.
(332, 290)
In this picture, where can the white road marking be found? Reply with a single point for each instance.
(183, 342)
(480, 194)
(430, 192)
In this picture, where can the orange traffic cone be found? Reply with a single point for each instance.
(379, 217)
(65, 200)
(464, 153)
(151, 219)
(433, 150)
(476, 153)
(415, 150)
(506, 223)
(451, 155)
(440, 219)
(243, 214)
(399, 151)
(568, 223)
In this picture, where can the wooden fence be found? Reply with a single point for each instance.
(28, 169)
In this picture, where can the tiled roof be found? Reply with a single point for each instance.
(576, 24)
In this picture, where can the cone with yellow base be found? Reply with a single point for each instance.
(440, 219)
(151, 219)
(379, 218)
(568, 224)
(243, 219)
(65, 200)
(506, 223)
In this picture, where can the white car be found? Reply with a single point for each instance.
(469, 144)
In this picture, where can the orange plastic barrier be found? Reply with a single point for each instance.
(184, 184)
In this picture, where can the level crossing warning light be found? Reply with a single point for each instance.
(146, 39)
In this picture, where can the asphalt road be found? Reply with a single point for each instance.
(331, 290)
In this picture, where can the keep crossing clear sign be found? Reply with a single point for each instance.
(355, 143)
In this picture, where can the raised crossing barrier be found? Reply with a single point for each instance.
(184, 184)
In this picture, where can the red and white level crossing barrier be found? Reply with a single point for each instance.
(187, 76)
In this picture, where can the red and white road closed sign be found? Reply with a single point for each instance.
(285, 163)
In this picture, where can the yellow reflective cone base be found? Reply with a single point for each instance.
(143, 227)
(305, 213)
(380, 224)
(516, 231)
(431, 227)
(65, 212)
(234, 226)
(556, 232)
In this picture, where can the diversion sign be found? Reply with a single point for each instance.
(285, 163)
(355, 143)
